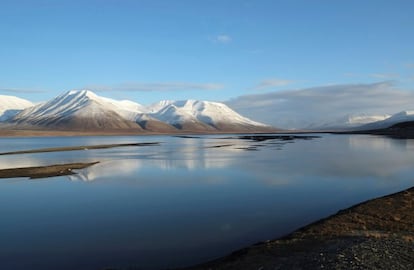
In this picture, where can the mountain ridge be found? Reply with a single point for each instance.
(84, 110)
(348, 122)
(400, 117)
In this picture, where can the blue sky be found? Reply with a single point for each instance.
(148, 50)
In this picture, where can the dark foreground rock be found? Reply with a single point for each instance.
(377, 234)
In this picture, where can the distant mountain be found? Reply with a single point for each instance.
(10, 106)
(404, 116)
(349, 121)
(86, 111)
(400, 130)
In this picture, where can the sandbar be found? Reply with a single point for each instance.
(44, 171)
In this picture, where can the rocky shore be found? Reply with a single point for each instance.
(377, 234)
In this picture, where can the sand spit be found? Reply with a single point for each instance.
(376, 234)
(76, 148)
(44, 171)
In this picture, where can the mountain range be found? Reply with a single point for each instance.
(86, 111)
(401, 117)
(83, 110)
(348, 122)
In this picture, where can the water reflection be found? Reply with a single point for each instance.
(191, 153)
(370, 142)
(187, 200)
(105, 169)
(351, 157)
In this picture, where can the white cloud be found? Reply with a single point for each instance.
(385, 76)
(272, 83)
(223, 39)
(155, 87)
(300, 108)
(21, 90)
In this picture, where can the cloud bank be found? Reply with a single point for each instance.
(304, 107)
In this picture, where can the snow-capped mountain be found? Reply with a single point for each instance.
(403, 116)
(10, 106)
(84, 110)
(189, 114)
(361, 119)
(349, 121)
(77, 110)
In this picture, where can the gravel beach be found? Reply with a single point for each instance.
(376, 234)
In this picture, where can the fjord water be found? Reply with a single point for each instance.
(186, 200)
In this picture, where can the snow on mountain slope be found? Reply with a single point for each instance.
(151, 124)
(403, 116)
(156, 107)
(73, 101)
(209, 114)
(354, 120)
(127, 109)
(61, 106)
(84, 109)
(10, 106)
(348, 121)
(75, 109)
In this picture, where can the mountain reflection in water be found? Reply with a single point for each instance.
(186, 200)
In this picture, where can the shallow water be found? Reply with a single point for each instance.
(185, 201)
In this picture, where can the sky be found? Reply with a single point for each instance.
(235, 51)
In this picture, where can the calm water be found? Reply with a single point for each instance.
(185, 201)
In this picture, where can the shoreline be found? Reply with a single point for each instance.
(374, 234)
